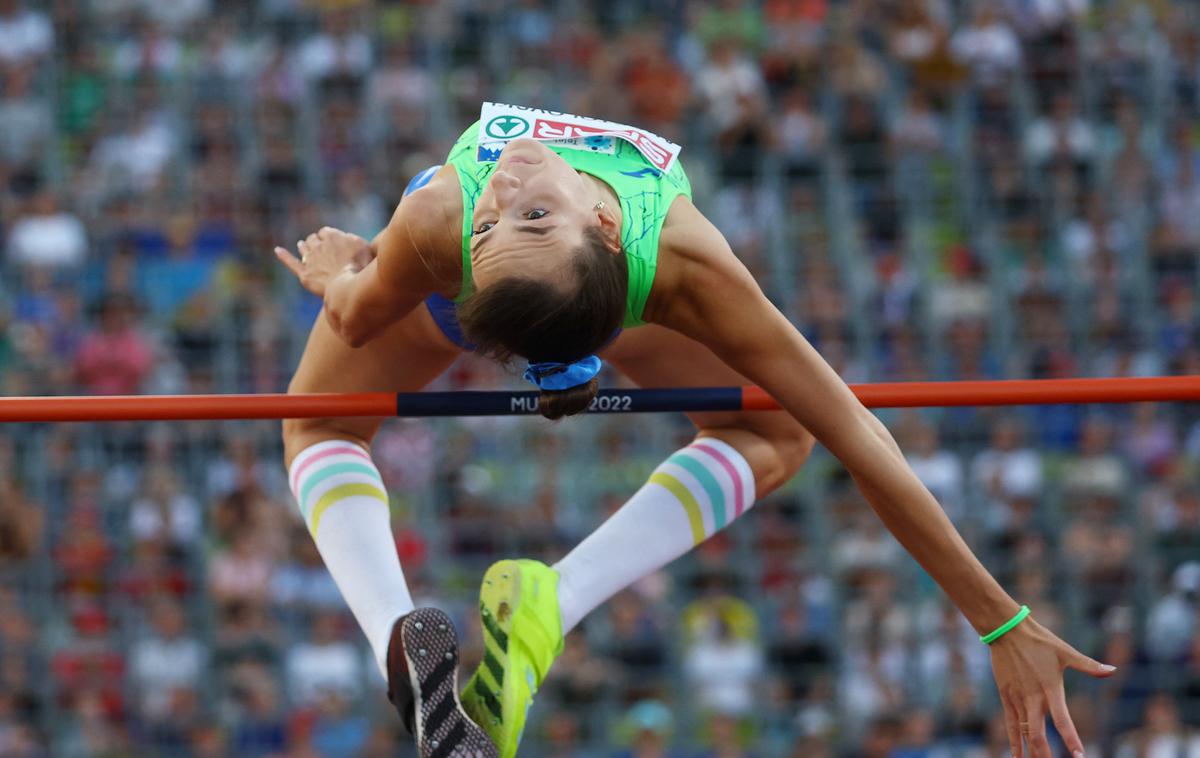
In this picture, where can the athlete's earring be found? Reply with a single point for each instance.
(598, 206)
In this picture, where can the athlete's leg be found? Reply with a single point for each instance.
(336, 484)
(527, 607)
(736, 457)
(345, 506)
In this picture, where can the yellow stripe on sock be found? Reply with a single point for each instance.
(341, 492)
(690, 505)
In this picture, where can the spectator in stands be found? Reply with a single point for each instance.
(302, 583)
(733, 97)
(226, 56)
(657, 86)
(1126, 151)
(1095, 469)
(47, 235)
(83, 551)
(399, 80)
(948, 658)
(919, 39)
(988, 46)
(797, 653)
(1179, 532)
(917, 130)
(88, 667)
(863, 543)
(338, 50)
(17, 736)
(154, 570)
(1062, 137)
(148, 50)
(278, 81)
(1161, 734)
(26, 35)
(356, 209)
(854, 70)
(136, 147)
(562, 734)
(1150, 441)
(338, 730)
(244, 635)
(1006, 468)
(1179, 233)
(21, 522)
(259, 728)
(239, 468)
(585, 678)
(117, 358)
(1174, 620)
(1099, 547)
(1189, 689)
(801, 134)
(242, 571)
(165, 512)
(634, 641)
(1049, 31)
(722, 665)
(325, 663)
(164, 660)
(28, 120)
(647, 728)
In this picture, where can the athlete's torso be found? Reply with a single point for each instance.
(644, 190)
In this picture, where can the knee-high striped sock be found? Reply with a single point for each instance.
(343, 501)
(692, 495)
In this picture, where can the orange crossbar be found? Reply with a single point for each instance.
(889, 395)
(196, 407)
(1011, 392)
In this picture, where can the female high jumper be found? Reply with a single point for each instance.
(556, 239)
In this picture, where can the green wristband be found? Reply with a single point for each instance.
(1006, 627)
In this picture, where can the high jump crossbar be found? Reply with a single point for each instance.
(505, 403)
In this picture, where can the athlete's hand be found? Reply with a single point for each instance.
(324, 255)
(1028, 664)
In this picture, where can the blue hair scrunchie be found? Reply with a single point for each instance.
(563, 376)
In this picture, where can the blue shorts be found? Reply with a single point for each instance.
(443, 310)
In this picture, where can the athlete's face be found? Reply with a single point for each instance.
(530, 215)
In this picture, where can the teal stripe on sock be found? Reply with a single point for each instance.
(716, 495)
(321, 474)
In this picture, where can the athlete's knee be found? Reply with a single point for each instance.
(302, 433)
(775, 449)
(792, 444)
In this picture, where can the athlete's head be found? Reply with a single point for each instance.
(550, 276)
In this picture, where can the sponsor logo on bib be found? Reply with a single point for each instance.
(506, 127)
(500, 123)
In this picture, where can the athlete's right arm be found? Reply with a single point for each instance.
(366, 289)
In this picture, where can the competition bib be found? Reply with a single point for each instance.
(500, 124)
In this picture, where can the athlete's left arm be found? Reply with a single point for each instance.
(367, 286)
(711, 297)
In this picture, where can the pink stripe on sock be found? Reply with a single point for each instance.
(348, 449)
(739, 495)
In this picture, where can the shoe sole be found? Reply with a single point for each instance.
(500, 596)
(443, 729)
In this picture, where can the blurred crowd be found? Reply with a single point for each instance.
(930, 189)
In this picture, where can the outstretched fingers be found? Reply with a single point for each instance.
(290, 261)
(1034, 727)
(1012, 720)
(1062, 722)
(1089, 666)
